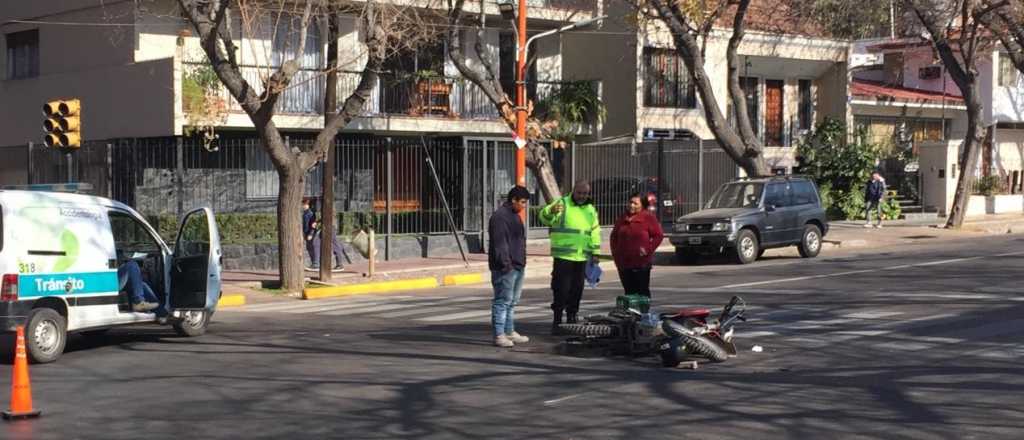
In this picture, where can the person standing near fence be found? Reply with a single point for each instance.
(635, 237)
(575, 234)
(308, 231)
(506, 258)
(318, 236)
(873, 196)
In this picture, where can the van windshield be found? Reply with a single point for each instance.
(737, 195)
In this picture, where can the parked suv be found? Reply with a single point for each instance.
(747, 216)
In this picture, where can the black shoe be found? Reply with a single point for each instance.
(556, 329)
(570, 318)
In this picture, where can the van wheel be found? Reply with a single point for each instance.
(193, 323)
(747, 247)
(45, 335)
(810, 242)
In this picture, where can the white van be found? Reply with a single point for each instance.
(59, 260)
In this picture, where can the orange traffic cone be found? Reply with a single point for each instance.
(21, 388)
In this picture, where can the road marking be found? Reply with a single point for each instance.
(325, 308)
(854, 272)
(561, 399)
(756, 334)
(872, 315)
(359, 310)
(290, 305)
(438, 307)
(464, 315)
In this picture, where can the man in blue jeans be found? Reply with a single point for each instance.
(129, 275)
(506, 257)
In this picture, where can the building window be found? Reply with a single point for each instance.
(23, 54)
(1007, 71)
(667, 82)
(752, 93)
(806, 105)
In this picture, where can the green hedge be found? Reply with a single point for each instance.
(262, 227)
(234, 228)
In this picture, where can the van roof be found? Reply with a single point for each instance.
(18, 198)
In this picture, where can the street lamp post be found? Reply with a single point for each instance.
(522, 44)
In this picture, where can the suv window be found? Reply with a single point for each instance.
(803, 193)
(736, 195)
(777, 194)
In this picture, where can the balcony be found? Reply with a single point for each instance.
(401, 95)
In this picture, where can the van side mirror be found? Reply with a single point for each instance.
(769, 207)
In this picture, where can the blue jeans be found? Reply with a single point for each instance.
(508, 287)
(138, 290)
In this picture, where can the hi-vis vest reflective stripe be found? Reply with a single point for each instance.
(573, 237)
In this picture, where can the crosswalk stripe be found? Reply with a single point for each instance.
(327, 307)
(290, 305)
(464, 315)
(438, 307)
(359, 310)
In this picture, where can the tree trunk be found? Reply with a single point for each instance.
(289, 234)
(539, 162)
(330, 104)
(968, 161)
(747, 154)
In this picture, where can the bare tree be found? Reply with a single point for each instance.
(957, 36)
(212, 22)
(1005, 19)
(486, 78)
(691, 24)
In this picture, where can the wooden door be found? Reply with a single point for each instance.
(773, 112)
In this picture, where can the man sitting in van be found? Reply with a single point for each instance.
(129, 277)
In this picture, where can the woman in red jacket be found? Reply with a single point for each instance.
(636, 235)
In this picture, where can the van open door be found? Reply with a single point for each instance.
(196, 263)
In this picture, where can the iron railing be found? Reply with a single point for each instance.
(379, 181)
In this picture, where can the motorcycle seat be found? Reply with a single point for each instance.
(689, 312)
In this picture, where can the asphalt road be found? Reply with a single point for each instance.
(921, 342)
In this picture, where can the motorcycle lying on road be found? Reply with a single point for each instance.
(671, 336)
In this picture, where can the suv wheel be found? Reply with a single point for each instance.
(686, 257)
(747, 247)
(810, 242)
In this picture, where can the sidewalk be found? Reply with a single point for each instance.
(842, 235)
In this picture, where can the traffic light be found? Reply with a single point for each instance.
(63, 124)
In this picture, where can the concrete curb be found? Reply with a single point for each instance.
(233, 300)
(464, 279)
(372, 287)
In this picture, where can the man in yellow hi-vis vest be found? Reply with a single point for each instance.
(575, 236)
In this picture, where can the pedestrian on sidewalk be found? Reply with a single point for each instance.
(506, 258)
(873, 196)
(635, 237)
(335, 247)
(575, 235)
(308, 231)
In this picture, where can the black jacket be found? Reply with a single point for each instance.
(507, 248)
(875, 191)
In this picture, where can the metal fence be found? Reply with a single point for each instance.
(688, 171)
(383, 181)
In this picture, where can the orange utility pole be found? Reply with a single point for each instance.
(521, 100)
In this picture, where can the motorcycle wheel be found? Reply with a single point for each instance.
(702, 346)
(595, 330)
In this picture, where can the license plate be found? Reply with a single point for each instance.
(668, 203)
(694, 240)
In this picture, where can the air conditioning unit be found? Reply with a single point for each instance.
(929, 72)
